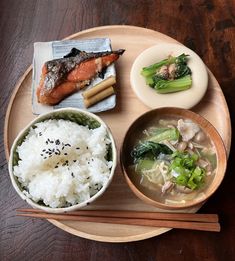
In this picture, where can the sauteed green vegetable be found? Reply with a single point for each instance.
(169, 75)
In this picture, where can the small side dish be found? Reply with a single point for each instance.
(63, 160)
(63, 77)
(170, 69)
(169, 75)
(173, 158)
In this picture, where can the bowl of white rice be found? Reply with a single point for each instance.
(63, 160)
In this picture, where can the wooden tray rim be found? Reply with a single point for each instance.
(59, 224)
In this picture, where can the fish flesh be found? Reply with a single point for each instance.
(63, 77)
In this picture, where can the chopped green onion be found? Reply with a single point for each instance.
(190, 175)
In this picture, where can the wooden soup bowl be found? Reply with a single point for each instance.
(142, 122)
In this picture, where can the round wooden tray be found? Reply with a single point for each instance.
(118, 196)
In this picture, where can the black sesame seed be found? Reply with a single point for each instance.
(65, 153)
(67, 161)
(57, 142)
(72, 174)
(88, 178)
(40, 134)
(56, 167)
(41, 154)
(87, 148)
(62, 147)
(74, 161)
(45, 157)
(51, 141)
(77, 148)
(88, 162)
(88, 203)
(56, 153)
(43, 150)
(46, 142)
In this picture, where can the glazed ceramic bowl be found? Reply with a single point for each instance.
(71, 114)
(183, 99)
(140, 124)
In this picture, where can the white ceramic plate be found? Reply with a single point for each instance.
(183, 99)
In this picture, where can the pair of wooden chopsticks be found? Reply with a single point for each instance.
(204, 222)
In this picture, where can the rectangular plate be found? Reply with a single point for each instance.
(45, 51)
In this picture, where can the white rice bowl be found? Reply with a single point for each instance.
(58, 165)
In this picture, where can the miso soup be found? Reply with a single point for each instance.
(173, 161)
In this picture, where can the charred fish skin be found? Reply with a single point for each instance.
(62, 77)
(58, 69)
(74, 52)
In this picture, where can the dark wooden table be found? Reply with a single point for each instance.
(204, 26)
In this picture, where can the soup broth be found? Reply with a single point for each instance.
(173, 161)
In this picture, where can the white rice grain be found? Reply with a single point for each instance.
(62, 163)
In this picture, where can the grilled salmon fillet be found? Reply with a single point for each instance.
(62, 77)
